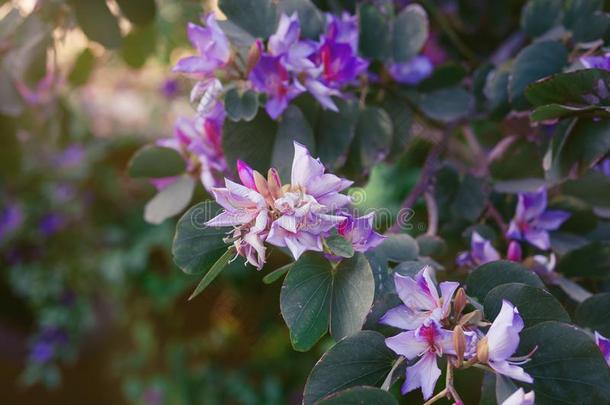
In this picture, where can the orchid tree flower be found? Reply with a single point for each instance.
(427, 342)
(520, 397)
(306, 206)
(501, 342)
(604, 167)
(604, 345)
(360, 232)
(481, 252)
(421, 300)
(532, 221)
(596, 62)
(213, 47)
(413, 71)
(343, 29)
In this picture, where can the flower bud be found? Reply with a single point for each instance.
(246, 175)
(254, 54)
(483, 350)
(261, 186)
(459, 302)
(459, 343)
(472, 318)
(514, 251)
(274, 183)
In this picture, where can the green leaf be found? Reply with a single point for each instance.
(521, 161)
(97, 22)
(375, 39)
(398, 248)
(410, 32)
(314, 295)
(214, 271)
(402, 119)
(471, 198)
(552, 112)
(587, 188)
(251, 141)
(567, 367)
(335, 132)
(359, 396)
(534, 62)
(241, 106)
(496, 92)
(139, 45)
(82, 69)
(196, 246)
(372, 141)
(431, 245)
(339, 246)
(505, 387)
(581, 146)
(585, 19)
(257, 17)
(311, 19)
(170, 201)
(446, 105)
(293, 127)
(535, 305)
(276, 274)
(539, 16)
(570, 88)
(145, 162)
(139, 12)
(593, 313)
(489, 275)
(592, 260)
(361, 359)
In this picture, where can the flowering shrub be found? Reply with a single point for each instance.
(516, 147)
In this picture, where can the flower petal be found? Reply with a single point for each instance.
(424, 374)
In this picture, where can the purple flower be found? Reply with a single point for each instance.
(271, 77)
(514, 252)
(604, 167)
(427, 342)
(501, 342)
(343, 30)
(51, 223)
(532, 221)
(360, 232)
(604, 345)
(413, 71)
(11, 218)
(305, 206)
(170, 88)
(46, 344)
(481, 252)
(70, 157)
(596, 62)
(421, 300)
(433, 50)
(340, 64)
(212, 45)
(519, 397)
(42, 352)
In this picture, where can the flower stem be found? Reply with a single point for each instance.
(449, 384)
(388, 380)
(435, 398)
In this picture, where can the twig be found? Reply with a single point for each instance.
(435, 398)
(493, 213)
(432, 209)
(449, 384)
(388, 380)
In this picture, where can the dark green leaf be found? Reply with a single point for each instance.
(539, 16)
(471, 198)
(402, 119)
(431, 245)
(446, 105)
(241, 106)
(570, 88)
(359, 396)
(567, 367)
(496, 92)
(196, 246)
(522, 160)
(335, 132)
(339, 246)
(592, 260)
(214, 271)
(593, 313)
(170, 201)
(587, 188)
(145, 162)
(398, 248)
(583, 144)
(276, 274)
(138, 45)
(410, 32)
(97, 22)
(552, 112)
(361, 359)
(293, 127)
(139, 12)
(487, 276)
(372, 141)
(82, 69)
(258, 17)
(375, 34)
(534, 304)
(534, 62)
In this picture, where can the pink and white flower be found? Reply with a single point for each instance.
(421, 300)
(360, 232)
(604, 345)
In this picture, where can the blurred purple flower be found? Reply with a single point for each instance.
(514, 252)
(170, 88)
(340, 64)
(360, 232)
(433, 50)
(481, 252)
(63, 192)
(51, 223)
(421, 300)
(213, 47)
(520, 397)
(604, 345)
(413, 71)
(42, 92)
(70, 157)
(596, 62)
(11, 218)
(501, 342)
(46, 344)
(604, 167)
(532, 221)
(343, 29)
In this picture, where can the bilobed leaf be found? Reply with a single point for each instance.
(593, 313)
(170, 201)
(335, 132)
(339, 246)
(97, 22)
(372, 140)
(567, 366)
(410, 32)
(539, 16)
(361, 359)
(571, 88)
(214, 271)
(535, 305)
(375, 39)
(534, 62)
(155, 161)
(398, 248)
(446, 105)
(487, 276)
(257, 17)
(139, 12)
(196, 246)
(359, 396)
(592, 260)
(138, 45)
(241, 105)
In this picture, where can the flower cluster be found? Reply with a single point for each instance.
(292, 65)
(426, 317)
(296, 216)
